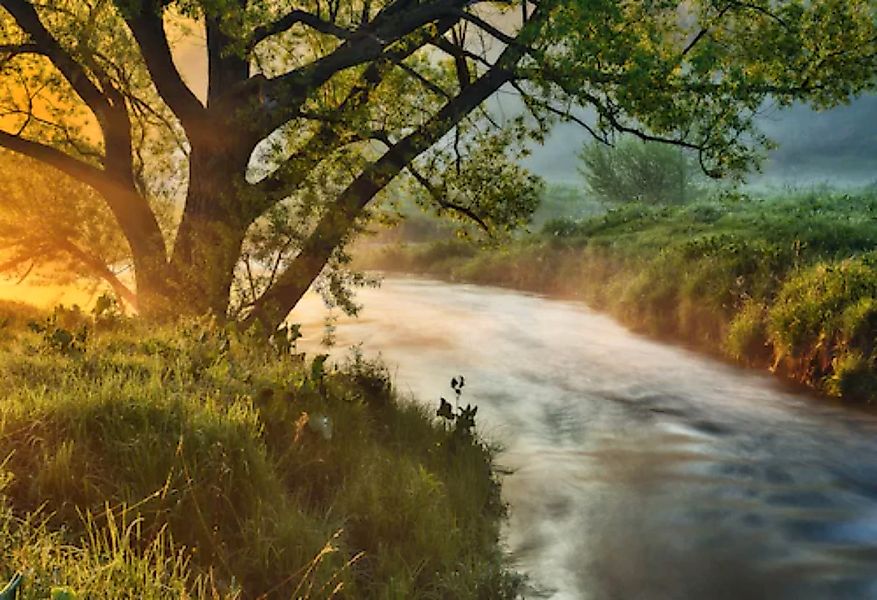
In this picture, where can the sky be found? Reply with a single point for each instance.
(838, 146)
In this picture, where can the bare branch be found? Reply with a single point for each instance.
(761, 10)
(530, 102)
(430, 85)
(488, 28)
(15, 49)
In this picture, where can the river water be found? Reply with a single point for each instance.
(640, 470)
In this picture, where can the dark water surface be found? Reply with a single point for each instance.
(641, 470)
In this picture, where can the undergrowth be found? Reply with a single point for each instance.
(197, 462)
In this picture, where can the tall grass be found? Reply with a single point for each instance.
(198, 462)
(785, 282)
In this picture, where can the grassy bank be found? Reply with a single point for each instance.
(142, 463)
(787, 283)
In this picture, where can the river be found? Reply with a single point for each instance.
(640, 470)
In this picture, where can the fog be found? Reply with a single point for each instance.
(837, 146)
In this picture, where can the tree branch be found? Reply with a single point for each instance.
(148, 29)
(443, 202)
(26, 17)
(15, 49)
(292, 19)
(329, 138)
(488, 28)
(107, 104)
(132, 211)
(531, 103)
(100, 269)
(286, 93)
(335, 225)
(79, 170)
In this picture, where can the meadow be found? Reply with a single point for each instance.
(199, 462)
(785, 281)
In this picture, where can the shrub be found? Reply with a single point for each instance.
(812, 306)
(854, 377)
(747, 338)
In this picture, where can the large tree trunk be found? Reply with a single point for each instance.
(211, 233)
(147, 244)
(154, 299)
(202, 269)
(199, 276)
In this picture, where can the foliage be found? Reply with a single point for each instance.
(462, 418)
(205, 463)
(555, 202)
(823, 325)
(707, 74)
(565, 202)
(635, 171)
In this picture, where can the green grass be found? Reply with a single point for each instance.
(159, 463)
(784, 282)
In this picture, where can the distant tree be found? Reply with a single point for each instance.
(637, 171)
(319, 106)
(52, 226)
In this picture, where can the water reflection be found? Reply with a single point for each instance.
(640, 470)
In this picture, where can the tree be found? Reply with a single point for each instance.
(318, 106)
(637, 171)
(56, 228)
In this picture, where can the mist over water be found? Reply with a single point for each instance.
(640, 470)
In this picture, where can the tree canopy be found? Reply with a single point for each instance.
(313, 110)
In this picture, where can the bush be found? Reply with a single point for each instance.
(853, 377)
(813, 304)
(747, 338)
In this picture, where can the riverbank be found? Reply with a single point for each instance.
(781, 283)
(199, 463)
